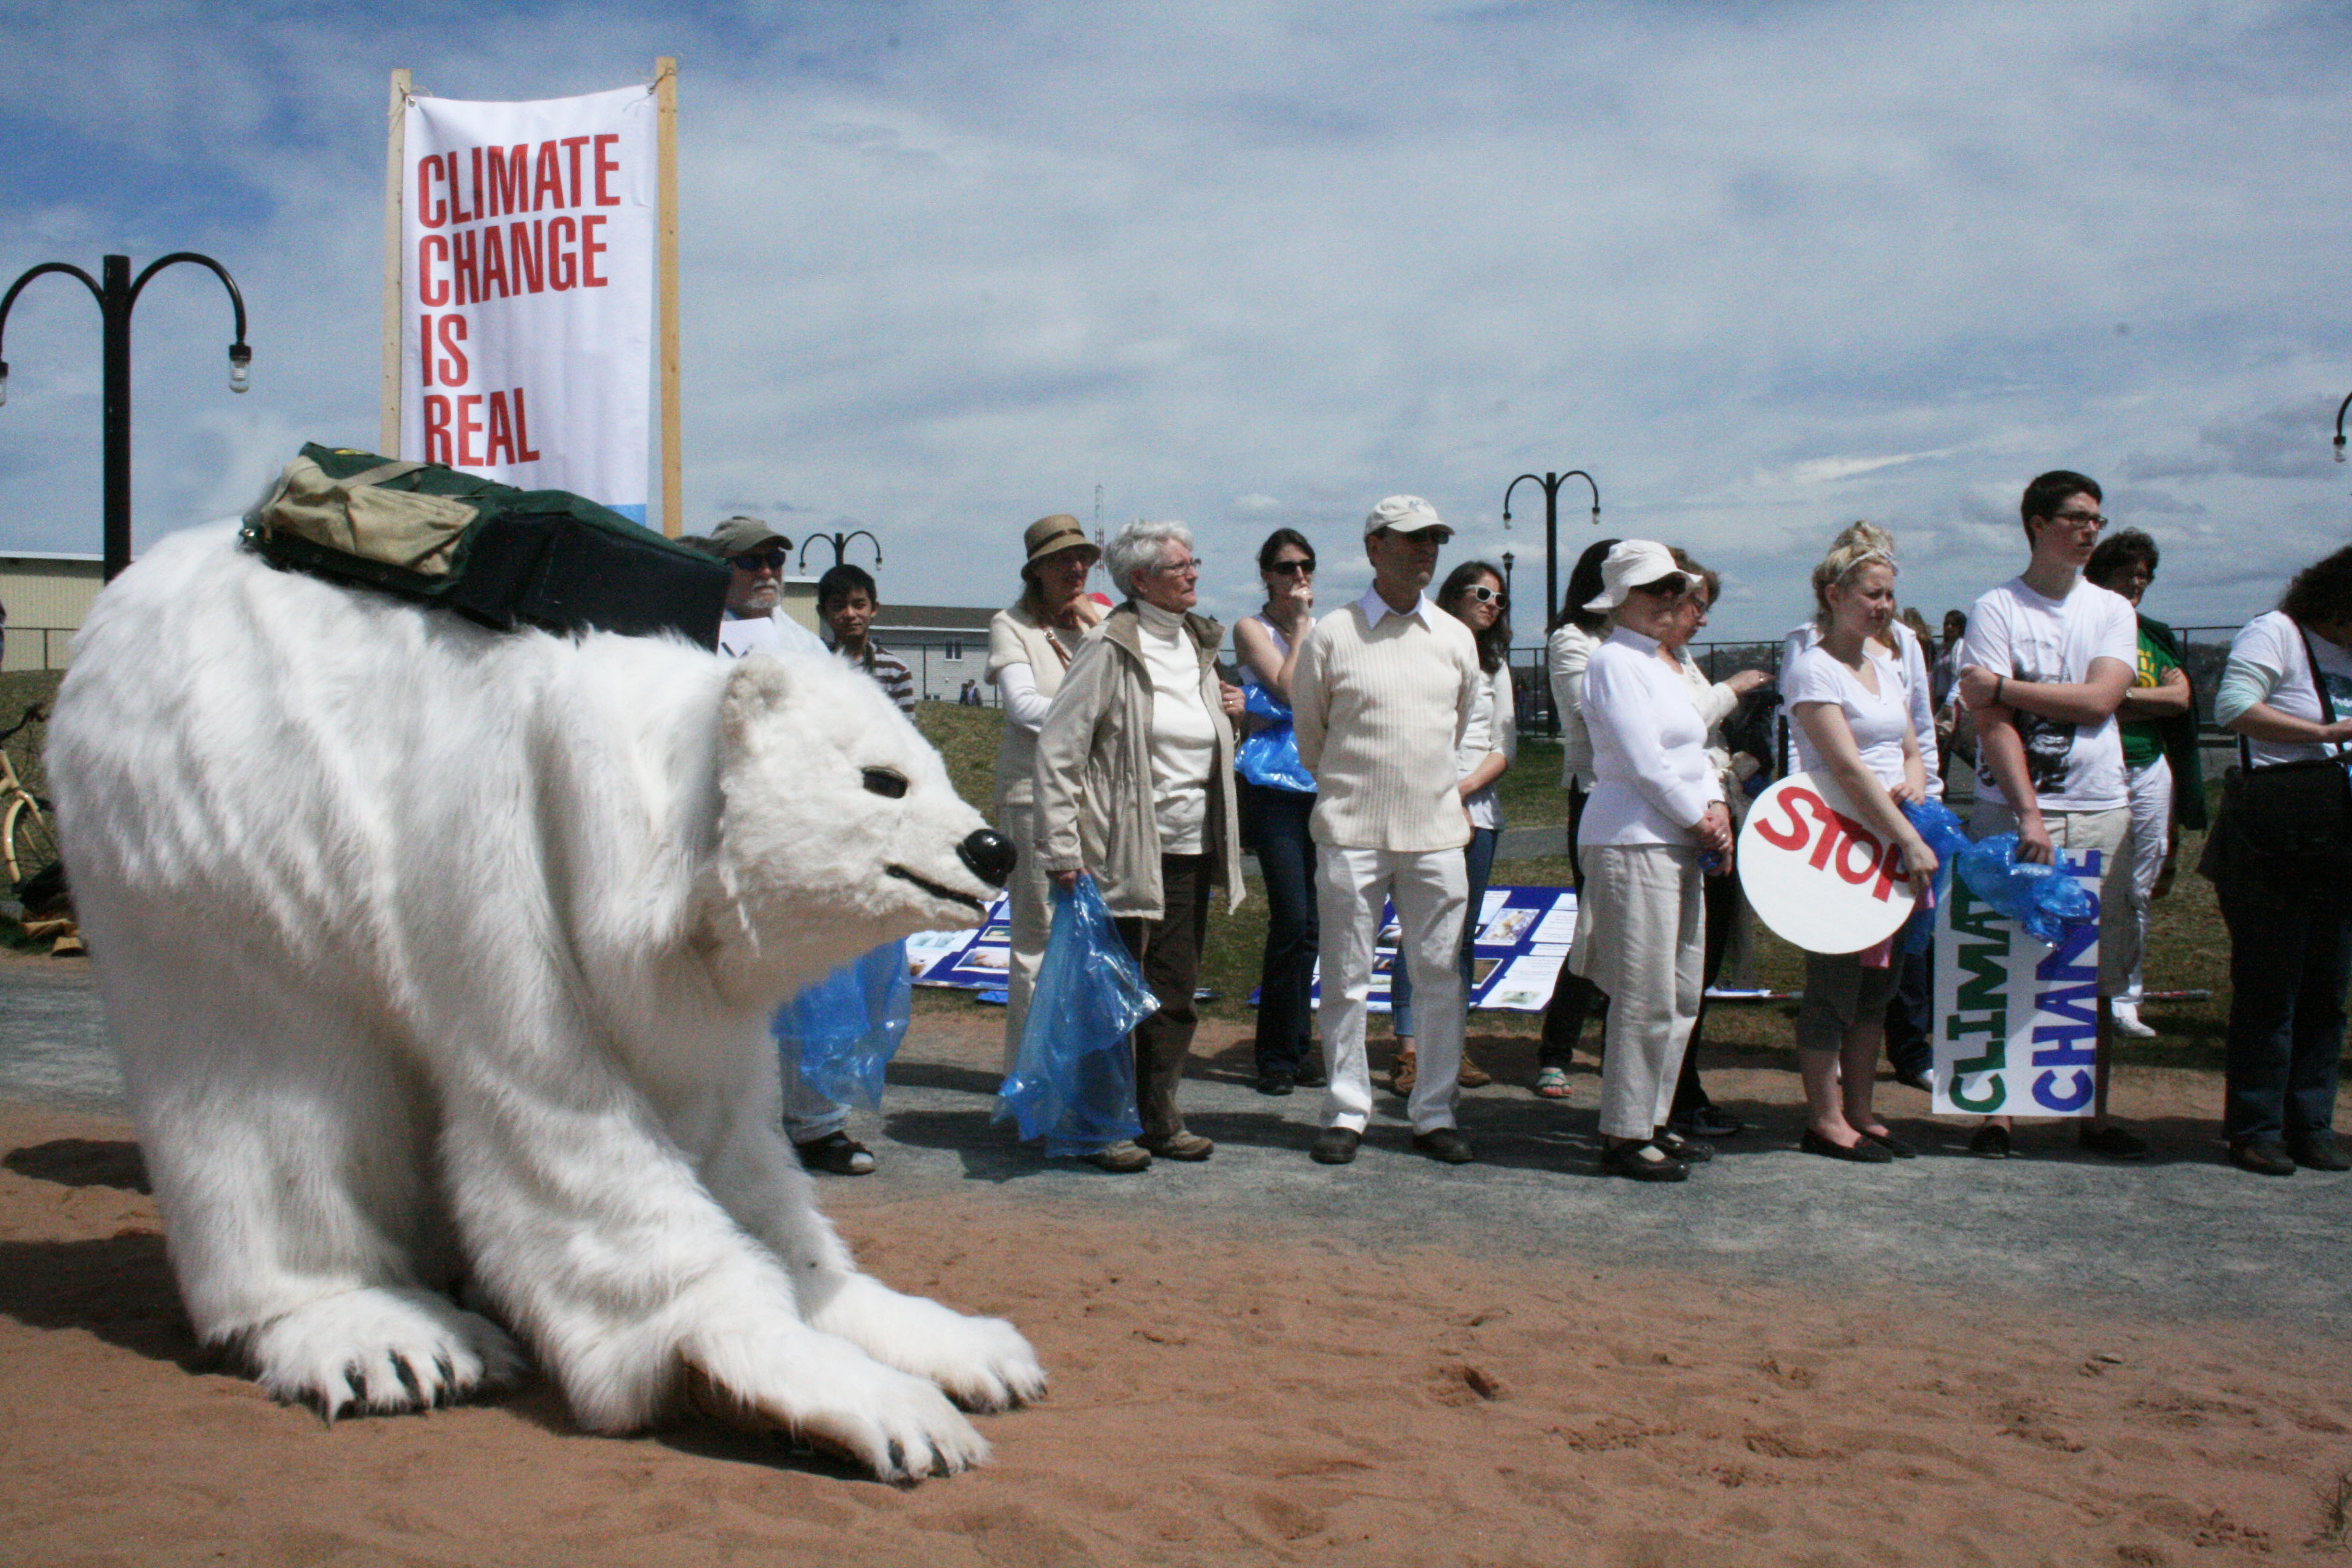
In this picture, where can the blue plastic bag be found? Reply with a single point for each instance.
(1936, 823)
(2042, 898)
(1073, 1083)
(843, 1030)
(1269, 756)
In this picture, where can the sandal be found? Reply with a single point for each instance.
(836, 1154)
(1551, 1083)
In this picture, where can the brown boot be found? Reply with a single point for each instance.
(1473, 1076)
(1407, 1070)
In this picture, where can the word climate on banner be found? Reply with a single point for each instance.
(2017, 1021)
(528, 285)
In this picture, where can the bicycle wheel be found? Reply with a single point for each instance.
(26, 842)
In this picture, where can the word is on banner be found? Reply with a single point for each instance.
(2017, 1021)
(1815, 873)
(528, 285)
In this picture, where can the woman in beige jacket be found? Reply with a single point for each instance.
(1135, 786)
(1030, 645)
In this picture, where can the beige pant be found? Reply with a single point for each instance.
(2108, 833)
(1641, 937)
(1030, 908)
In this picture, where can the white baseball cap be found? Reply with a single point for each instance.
(1404, 514)
(1633, 563)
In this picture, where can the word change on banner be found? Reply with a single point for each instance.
(527, 283)
(1815, 873)
(2017, 1021)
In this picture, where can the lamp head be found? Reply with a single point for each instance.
(240, 358)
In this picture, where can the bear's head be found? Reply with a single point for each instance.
(838, 827)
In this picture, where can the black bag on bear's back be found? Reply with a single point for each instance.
(502, 556)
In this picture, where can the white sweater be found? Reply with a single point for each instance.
(1382, 700)
(1652, 778)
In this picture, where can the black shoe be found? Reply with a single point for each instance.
(1689, 1150)
(1275, 1080)
(2262, 1156)
(1309, 1074)
(1446, 1145)
(1991, 1140)
(2317, 1151)
(1335, 1146)
(1709, 1122)
(1914, 1078)
(1643, 1161)
(836, 1154)
(1861, 1151)
(2114, 1142)
(1892, 1145)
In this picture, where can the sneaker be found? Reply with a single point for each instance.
(1186, 1146)
(1121, 1159)
(2317, 1151)
(836, 1154)
(1446, 1145)
(2262, 1156)
(1473, 1076)
(1277, 1081)
(1643, 1161)
(1335, 1146)
(2127, 1024)
(2114, 1142)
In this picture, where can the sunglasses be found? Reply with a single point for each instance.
(772, 558)
(1671, 586)
(1483, 595)
(1292, 568)
(1437, 535)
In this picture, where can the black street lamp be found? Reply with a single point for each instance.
(1507, 559)
(840, 543)
(117, 297)
(1551, 483)
(2339, 425)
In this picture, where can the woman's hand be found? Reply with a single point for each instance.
(1231, 698)
(1918, 864)
(1907, 793)
(1299, 598)
(1746, 681)
(1065, 880)
(1713, 829)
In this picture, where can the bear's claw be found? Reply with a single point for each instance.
(364, 1351)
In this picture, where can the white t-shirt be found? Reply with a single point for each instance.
(1808, 632)
(741, 635)
(2017, 633)
(1879, 723)
(2268, 648)
(1494, 727)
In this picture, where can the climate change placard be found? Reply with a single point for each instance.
(528, 278)
(2016, 1019)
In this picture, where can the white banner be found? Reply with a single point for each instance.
(528, 287)
(2016, 1019)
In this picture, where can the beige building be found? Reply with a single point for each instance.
(46, 596)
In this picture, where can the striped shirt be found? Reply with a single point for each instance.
(890, 672)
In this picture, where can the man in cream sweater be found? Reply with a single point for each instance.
(1382, 693)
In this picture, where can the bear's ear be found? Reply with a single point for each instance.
(759, 686)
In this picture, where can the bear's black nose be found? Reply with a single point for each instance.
(988, 856)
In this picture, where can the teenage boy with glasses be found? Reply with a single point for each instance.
(2044, 666)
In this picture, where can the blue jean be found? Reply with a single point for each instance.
(1273, 827)
(1479, 855)
(2289, 952)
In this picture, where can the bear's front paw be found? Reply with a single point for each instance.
(379, 1350)
(828, 1394)
(982, 1363)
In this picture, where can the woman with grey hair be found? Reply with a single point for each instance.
(1135, 786)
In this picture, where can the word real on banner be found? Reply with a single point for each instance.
(1816, 874)
(2017, 1021)
(528, 281)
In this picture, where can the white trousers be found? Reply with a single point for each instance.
(2151, 829)
(1430, 889)
(1641, 937)
(1030, 914)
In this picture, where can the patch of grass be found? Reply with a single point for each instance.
(2336, 1511)
(967, 738)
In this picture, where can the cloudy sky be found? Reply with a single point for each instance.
(1761, 268)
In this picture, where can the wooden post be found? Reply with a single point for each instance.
(666, 133)
(395, 159)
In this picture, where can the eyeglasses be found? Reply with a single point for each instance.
(772, 558)
(1292, 568)
(1485, 596)
(1180, 568)
(2081, 519)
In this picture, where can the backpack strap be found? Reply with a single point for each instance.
(379, 474)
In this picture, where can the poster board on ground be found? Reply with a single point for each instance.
(2016, 1020)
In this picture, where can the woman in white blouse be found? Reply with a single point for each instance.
(1569, 650)
(1029, 646)
(1657, 806)
(1855, 724)
(1473, 594)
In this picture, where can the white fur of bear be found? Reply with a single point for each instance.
(437, 957)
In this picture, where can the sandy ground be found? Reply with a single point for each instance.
(1236, 1380)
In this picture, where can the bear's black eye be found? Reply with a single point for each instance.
(886, 782)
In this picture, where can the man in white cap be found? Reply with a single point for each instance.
(1382, 694)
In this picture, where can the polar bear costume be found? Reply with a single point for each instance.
(438, 958)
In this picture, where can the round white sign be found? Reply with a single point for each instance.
(1816, 873)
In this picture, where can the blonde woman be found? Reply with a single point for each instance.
(1853, 711)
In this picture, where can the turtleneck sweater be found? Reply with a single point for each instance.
(1184, 735)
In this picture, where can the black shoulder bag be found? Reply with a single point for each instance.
(2294, 820)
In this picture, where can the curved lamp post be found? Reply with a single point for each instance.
(2339, 425)
(1551, 483)
(840, 543)
(117, 297)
